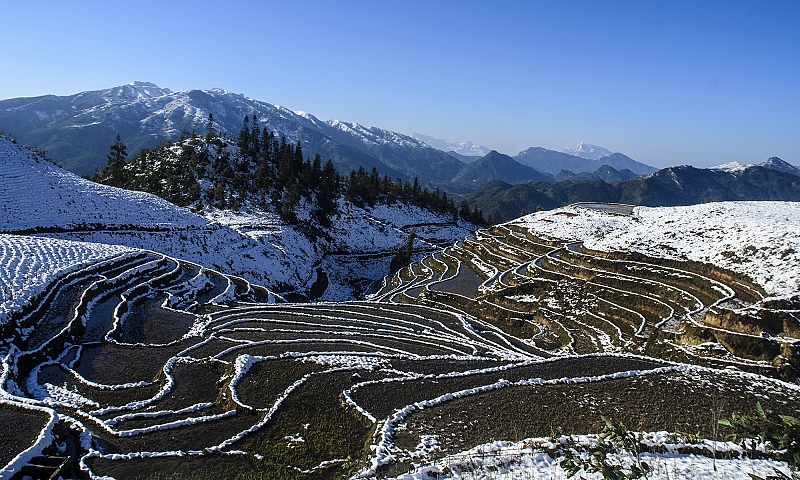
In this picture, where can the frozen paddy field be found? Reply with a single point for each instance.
(139, 365)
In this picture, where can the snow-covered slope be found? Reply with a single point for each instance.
(758, 239)
(590, 152)
(37, 194)
(30, 264)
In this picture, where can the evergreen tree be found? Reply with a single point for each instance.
(117, 155)
(210, 132)
(402, 257)
(244, 135)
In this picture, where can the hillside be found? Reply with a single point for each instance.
(257, 245)
(39, 195)
(756, 239)
(163, 366)
(682, 185)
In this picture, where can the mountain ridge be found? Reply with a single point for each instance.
(679, 185)
(551, 161)
(76, 131)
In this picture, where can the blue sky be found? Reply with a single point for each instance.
(664, 82)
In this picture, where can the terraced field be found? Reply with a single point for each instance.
(142, 366)
(563, 298)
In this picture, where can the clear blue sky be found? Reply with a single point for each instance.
(667, 83)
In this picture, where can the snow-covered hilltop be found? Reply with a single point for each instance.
(757, 239)
(38, 195)
(772, 163)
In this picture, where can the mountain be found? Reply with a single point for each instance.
(773, 163)
(681, 185)
(467, 148)
(77, 130)
(605, 173)
(496, 166)
(550, 161)
(590, 152)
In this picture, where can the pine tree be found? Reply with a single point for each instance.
(210, 132)
(402, 257)
(244, 135)
(117, 155)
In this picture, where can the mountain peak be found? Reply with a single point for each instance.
(772, 163)
(462, 148)
(587, 151)
(137, 83)
(136, 90)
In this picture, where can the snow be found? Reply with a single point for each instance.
(462, 148)
(528, 459)
(63, 200)
(731, 167)
(590, 152)
(756, 239)
(255, 245)
(28, 265)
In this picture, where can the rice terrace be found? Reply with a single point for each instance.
(482, 356)
(400, 240)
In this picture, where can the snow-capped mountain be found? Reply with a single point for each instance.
(772, 163)
(466, 148)
(76, 130)
(585, 150)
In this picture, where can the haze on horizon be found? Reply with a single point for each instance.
(674, 83)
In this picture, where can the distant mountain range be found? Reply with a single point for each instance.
(465, 149)
(550, 161)
(76, 131)
(681, 185)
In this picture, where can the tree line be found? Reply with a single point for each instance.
(259, 169)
